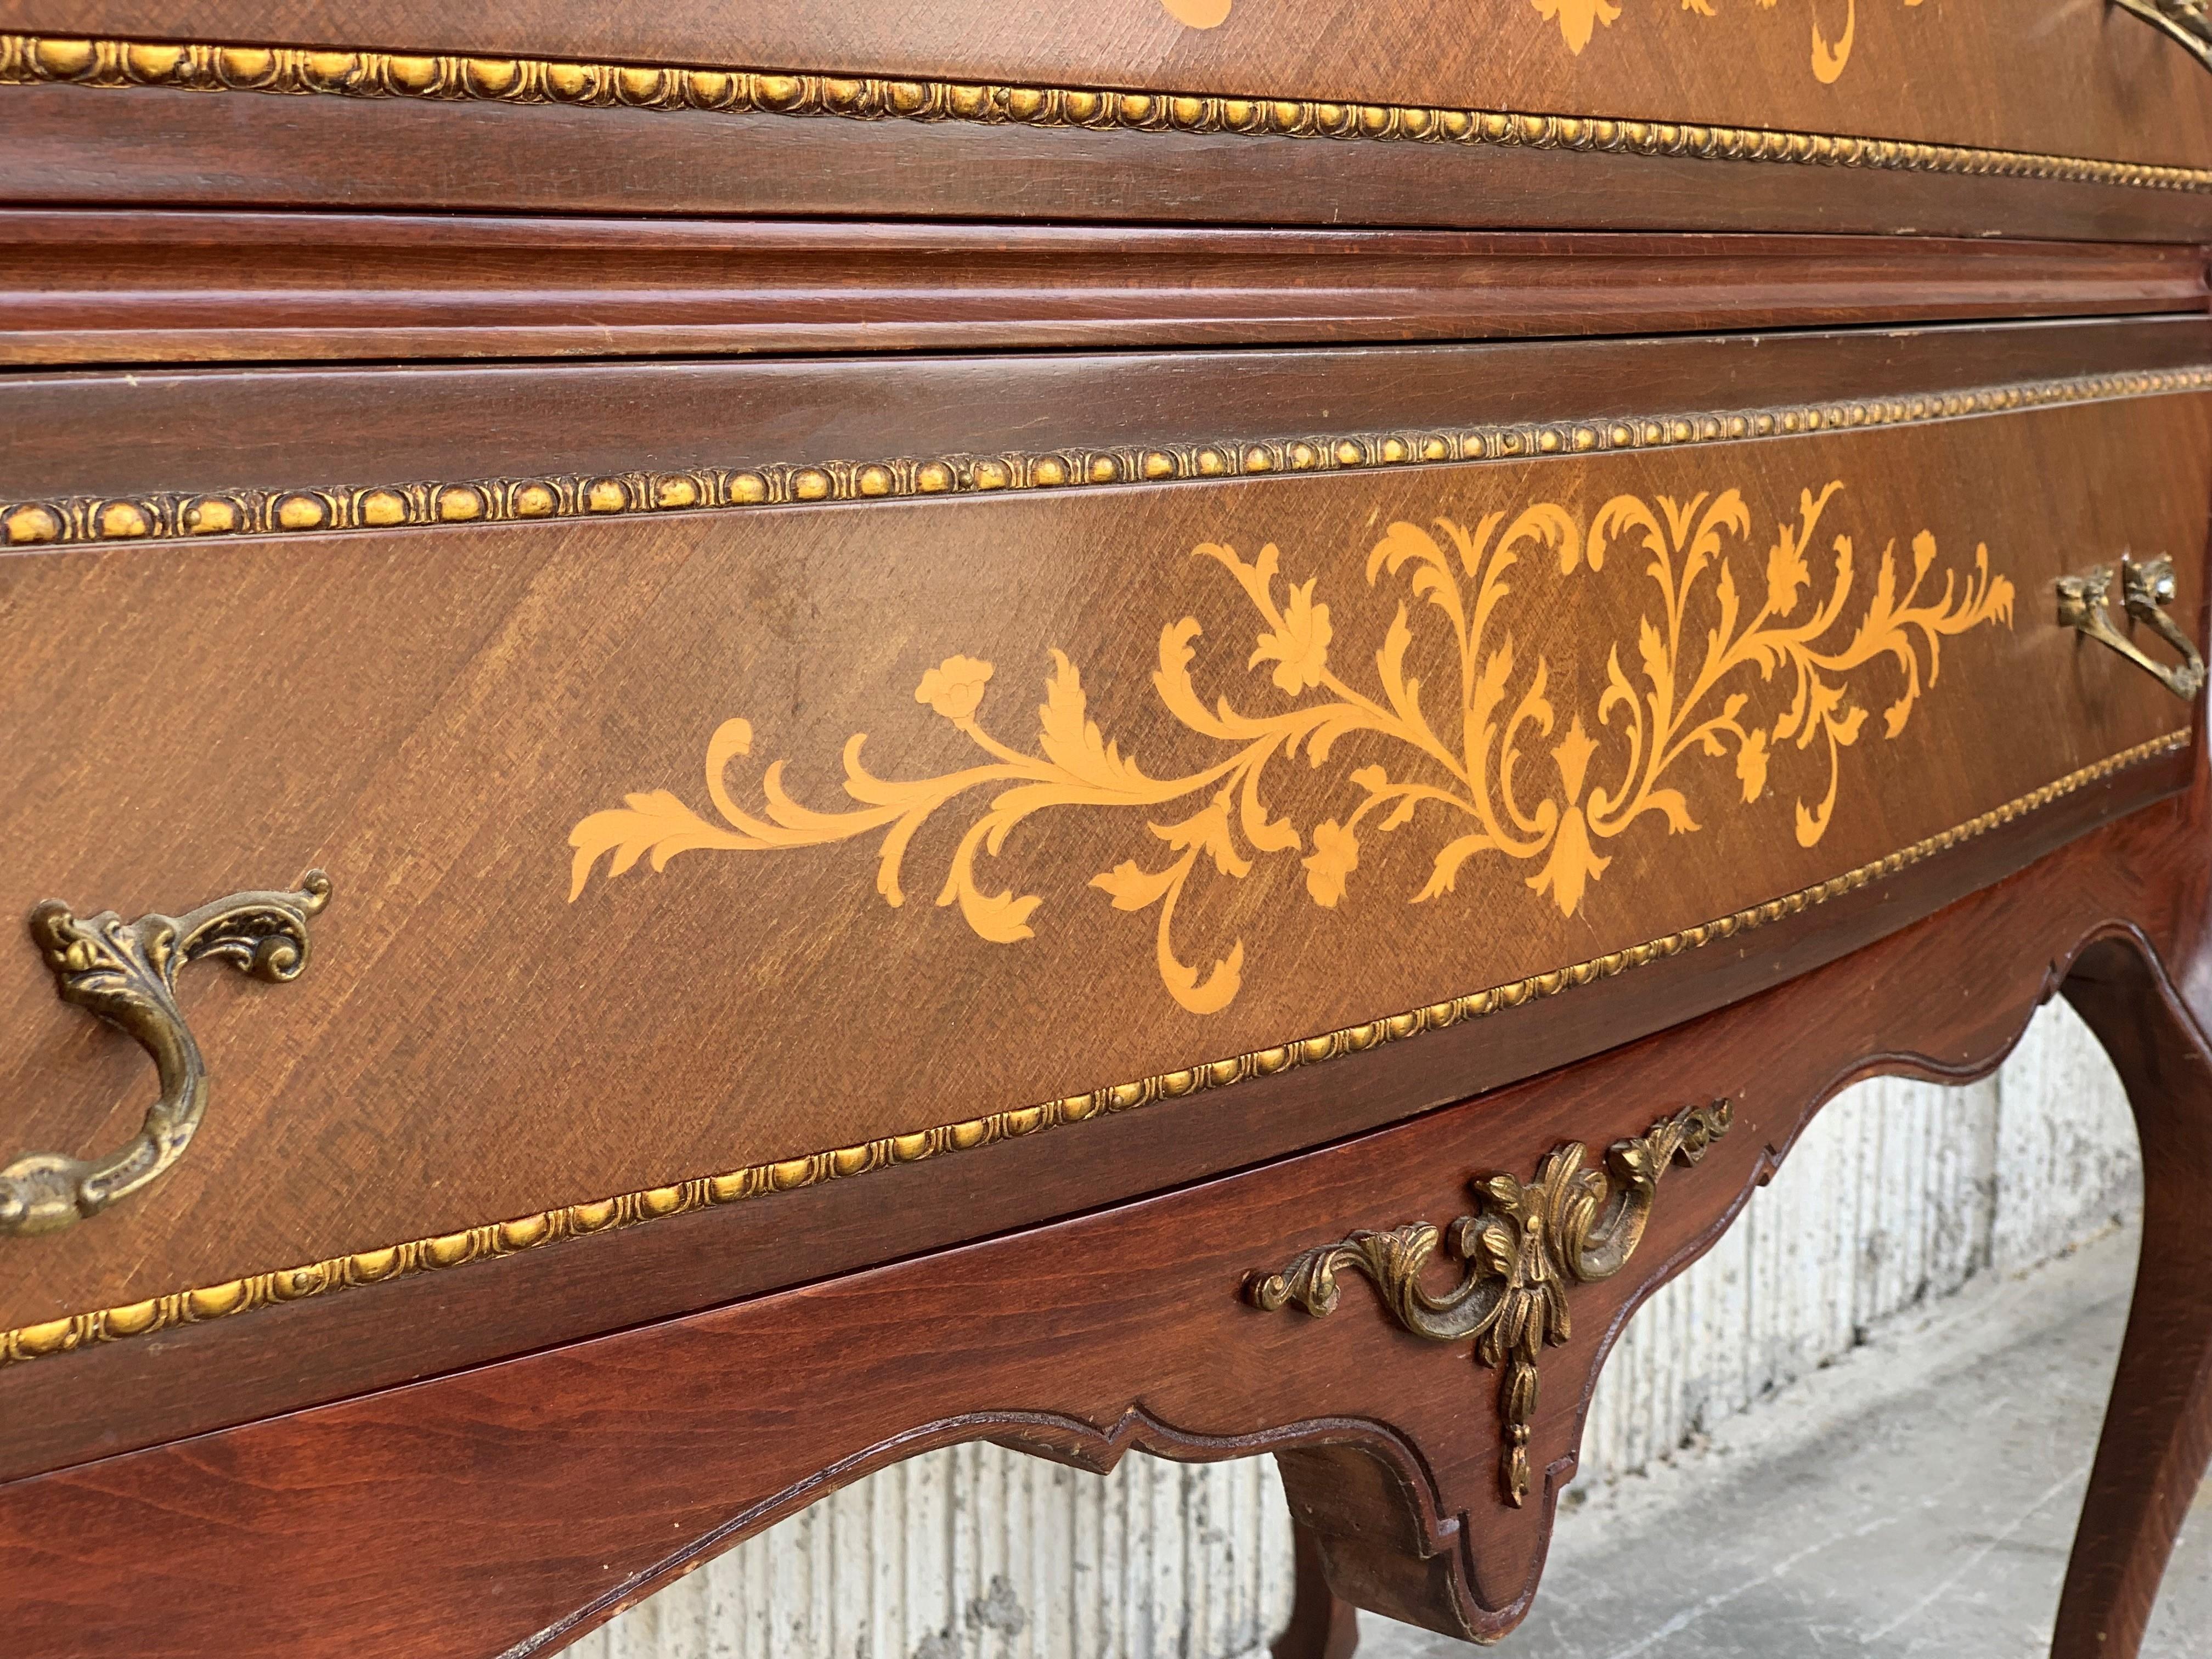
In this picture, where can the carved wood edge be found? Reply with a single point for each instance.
(1396, 1421)
(2155, 1451)
(1434, 1533)
(1428, 1527)
(1315, 1491)
(345, 72)
(495, 1239)
(230, 511)
(1054, 1436)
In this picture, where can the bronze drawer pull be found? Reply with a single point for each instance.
(126, 973)
(2184, 20)
(2146, 588)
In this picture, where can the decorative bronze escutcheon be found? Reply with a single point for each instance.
(1525, 1247)
(2146, 589)
(125, 972)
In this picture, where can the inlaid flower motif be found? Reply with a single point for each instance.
(1335, 855)
(1577, 19)
(1578, 22)
(1786, 571)
(955, 687)
(1443, 727)
(1574, 863)
(1298, 647)
(1198, 14)
(1751, 766)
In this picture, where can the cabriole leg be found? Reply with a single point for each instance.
(2158, 1428)
(1322, 1626)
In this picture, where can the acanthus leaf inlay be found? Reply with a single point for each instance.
(1708, 685)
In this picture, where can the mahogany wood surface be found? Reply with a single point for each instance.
(303, 1353)
(2158, 1432)
(2077, 80)
(1322, 1625)
(492, 691)
(170, 286)
(112, 432)
(117, 432)
(71, 146)
(1124, 1328)
(415, 452)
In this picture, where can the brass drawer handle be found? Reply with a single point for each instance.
(2146, 588)
(126, 973)
(2184, 20)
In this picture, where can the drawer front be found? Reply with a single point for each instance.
(701, 831)
(2091, 81)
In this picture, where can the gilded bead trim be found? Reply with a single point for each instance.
(76, 520)
(632, 1209)
(199, 66)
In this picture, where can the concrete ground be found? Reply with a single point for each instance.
(1916, 1498)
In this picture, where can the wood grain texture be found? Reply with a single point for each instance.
(323, 1347)
(120, 432)
(71, 146)
(178, 287)
(2084, 80)
(1293, 957)
(1323, 1625)
(493, 689)
(1081, 1340)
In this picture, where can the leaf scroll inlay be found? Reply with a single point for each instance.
(1579, 20)
(1462, 721)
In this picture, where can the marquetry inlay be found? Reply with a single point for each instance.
(1453, 720)
(1579, 20)
(496, 1239)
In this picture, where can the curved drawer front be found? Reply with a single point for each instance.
(2094, 79)
(688, 825)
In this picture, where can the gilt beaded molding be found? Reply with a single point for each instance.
(201, 66)
(76, 520)
(503, 1239)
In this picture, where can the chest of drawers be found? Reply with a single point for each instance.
(1177, 724)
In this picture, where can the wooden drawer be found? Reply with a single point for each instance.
(737, 779)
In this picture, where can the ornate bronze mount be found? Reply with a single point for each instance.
(2146, 589)
(125, 972)
(2183, 20)
(1522, 1247)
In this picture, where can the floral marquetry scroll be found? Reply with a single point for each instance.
(1448, 736)
(1522, 1249)
(1579, 20)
